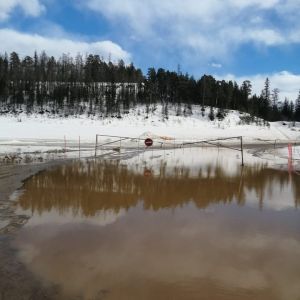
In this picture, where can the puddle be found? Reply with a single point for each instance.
(184, 224)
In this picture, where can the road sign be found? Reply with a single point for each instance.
(148, 142)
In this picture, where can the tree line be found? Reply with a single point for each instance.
(88, 84)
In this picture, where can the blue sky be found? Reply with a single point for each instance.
(231, 39)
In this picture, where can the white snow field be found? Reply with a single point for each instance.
(42, 133)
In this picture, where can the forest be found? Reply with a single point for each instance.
(89, 85)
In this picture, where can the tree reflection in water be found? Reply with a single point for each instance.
(87, 187)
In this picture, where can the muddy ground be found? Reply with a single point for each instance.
(16, 282)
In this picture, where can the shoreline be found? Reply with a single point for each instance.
(16, 281)
(12, 178)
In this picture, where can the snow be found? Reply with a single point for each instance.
(35, 132)
(284, 153)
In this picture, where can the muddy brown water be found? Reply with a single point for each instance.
(164, 225)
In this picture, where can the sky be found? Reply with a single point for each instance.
(229, 39)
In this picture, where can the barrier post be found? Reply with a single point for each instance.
(242, 151)
(290, 158)
(96, 145)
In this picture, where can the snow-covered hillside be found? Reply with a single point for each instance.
(39, 137)
(136, 123)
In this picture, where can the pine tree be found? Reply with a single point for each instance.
(246, 89)
(14, 67)
(265, 103)
(297, 109)
(211, 114)
(275, 114)
(287, 110)
(275, 97)
(266, 91)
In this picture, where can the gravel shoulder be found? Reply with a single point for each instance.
(16, 282)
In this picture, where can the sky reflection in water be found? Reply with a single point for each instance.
(187, 224)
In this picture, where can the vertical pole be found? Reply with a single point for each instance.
(240, 186)
(242, 151)
(290, 158)
(138, 141)
(96, 145)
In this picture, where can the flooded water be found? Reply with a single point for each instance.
(186, 224)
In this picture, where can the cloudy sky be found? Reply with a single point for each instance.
(231, 39)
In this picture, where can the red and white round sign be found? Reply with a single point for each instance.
(148, 142)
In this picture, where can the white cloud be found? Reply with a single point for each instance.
(207, 28)
(216, 65)
(25, 44)
(248, 3)
(29, 7)
(288, 83)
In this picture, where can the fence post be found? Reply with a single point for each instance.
(242, 151)
(96, 145)
(290, 158)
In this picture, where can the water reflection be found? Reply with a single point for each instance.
(89, 187)
(163, 229)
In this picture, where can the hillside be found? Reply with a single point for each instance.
(21, 128)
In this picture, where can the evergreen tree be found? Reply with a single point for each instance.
(275, 97)
(70, 85)
(211, 114)
(275, 114)
(287, 110)
(297, 108)
(265, 103)
(266, 91)
(246, 90)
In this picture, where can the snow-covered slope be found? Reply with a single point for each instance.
(41, 133)
(135, 123)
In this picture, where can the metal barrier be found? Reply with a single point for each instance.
(159, 143)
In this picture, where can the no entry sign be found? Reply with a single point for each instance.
(148, 142)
